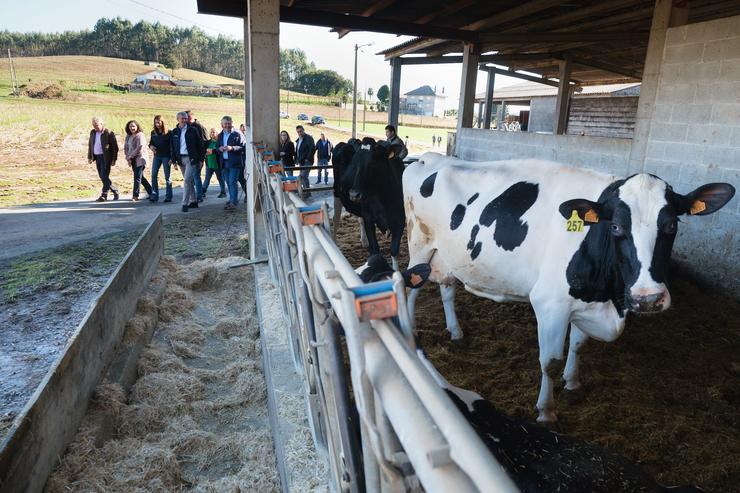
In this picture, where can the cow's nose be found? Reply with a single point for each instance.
(651, 302)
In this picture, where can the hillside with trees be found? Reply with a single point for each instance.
(175, 48)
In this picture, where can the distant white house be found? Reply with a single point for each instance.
(423, 101)
(152, 75)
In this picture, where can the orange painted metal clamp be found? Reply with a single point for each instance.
(377, 306)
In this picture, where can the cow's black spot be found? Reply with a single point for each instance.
(667, 217)
(472, 199)
(506, 211)
(427, 187)
(476, 250)
(472, 245)
(457, 217)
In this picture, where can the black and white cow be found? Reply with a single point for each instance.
(368, 184)
(540, 460)
(583, 248)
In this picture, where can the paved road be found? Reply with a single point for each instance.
(31, 228)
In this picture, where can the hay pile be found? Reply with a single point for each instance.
(44, 91)
(196, 418)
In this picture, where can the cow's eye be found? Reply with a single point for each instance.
(617, 229)
(670, 228)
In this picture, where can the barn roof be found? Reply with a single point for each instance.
(607, 40)
(422, 91)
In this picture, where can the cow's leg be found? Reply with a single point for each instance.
(363, 234)
(448, 301)
(552, 326)
(396, 246)
(411, 305)
(337, 217)
(570, 374)
(369, 228)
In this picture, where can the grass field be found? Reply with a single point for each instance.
(43, 143)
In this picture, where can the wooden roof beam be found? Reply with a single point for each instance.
(359, 23)
(526, 9)
(449, 9)
(374, 8)
(561, 37)
(531, 78)
(498, 59)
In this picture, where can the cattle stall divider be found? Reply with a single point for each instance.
(387, 426)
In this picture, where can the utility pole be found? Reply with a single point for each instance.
(354, 93)
(13, 78)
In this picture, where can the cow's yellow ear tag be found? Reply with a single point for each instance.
(391, 155)
(575, 223)
(697, 207)
(416, 279)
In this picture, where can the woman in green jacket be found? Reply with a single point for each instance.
(212, 166)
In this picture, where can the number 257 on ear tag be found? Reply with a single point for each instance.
(574, 224)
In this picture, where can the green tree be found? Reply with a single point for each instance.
(383, 94)
(324, 83)
(294, 65)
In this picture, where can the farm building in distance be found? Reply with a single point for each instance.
(597, 111)
(154, 77)
(423, 101)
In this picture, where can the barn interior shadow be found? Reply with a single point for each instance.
(665, 394)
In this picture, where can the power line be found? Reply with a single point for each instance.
(189, 21)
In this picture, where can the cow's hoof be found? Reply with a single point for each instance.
(572, 384)
(547, 418)
(456, 335)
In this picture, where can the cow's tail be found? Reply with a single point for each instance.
(467, 396)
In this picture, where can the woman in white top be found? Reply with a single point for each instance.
(135, 151)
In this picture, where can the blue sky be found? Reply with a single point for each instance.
(321, 46)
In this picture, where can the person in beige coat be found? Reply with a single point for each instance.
(135, 152)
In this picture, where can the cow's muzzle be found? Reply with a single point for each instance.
(650, 303)
(355, 195)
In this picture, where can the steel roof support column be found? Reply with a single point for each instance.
(489, 99)
(471, 53)
(649, 87)
(395, 96)
(563, 98)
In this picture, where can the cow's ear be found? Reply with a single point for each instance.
(589, 212)
(416, 276)
(394, 150)
(705, 200)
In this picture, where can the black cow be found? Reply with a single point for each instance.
(368, 184)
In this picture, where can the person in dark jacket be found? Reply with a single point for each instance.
(230, 150)
(287, 151)
(192, 121)
(323, 154)
(305, 148)
(187, 149)
(159, 143)
(392, 138)
(102, 149)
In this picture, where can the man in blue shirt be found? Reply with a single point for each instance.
(230, 155)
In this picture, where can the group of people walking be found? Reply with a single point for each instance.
(187, 146)
(302, 153)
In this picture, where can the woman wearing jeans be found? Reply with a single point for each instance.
(159, 143)
(134, 149)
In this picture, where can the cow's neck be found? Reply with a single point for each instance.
(593, 272)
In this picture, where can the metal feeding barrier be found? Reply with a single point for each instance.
(374, 409)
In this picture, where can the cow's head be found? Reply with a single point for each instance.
(371, 166)
(632, 228)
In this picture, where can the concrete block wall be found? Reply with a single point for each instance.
(695, 139)
(598, 153)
